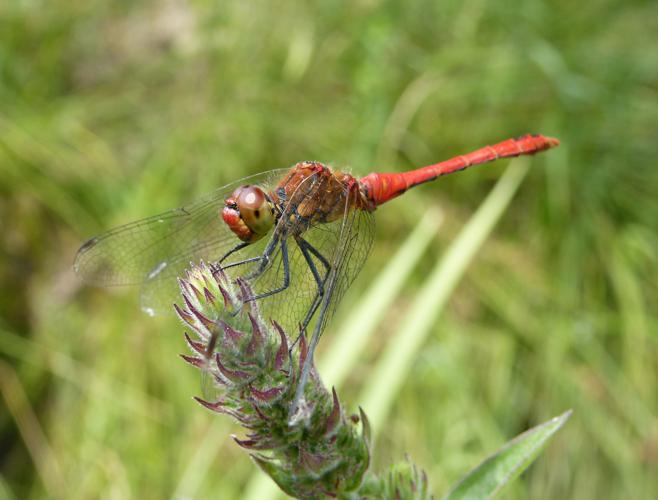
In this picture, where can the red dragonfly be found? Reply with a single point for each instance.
(298, 235)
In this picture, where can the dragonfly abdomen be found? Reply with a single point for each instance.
(382, 187)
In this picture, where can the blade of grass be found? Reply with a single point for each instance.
(36, 442)
(61, 365)
(5, 489)
(202, 460)
(397, 360)
(360, 324)
(501, 468)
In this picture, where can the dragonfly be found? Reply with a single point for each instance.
(299, 236)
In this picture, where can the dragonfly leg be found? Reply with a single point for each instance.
(245, 261)
(264, 258)
(286, 275)
(308, 249)
(308, 362)
(237, 247)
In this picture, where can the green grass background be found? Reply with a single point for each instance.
(112, 111)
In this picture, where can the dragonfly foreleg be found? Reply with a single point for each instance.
(245, 261)
(264, 258)
(233, 250)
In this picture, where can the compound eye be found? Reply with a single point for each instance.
(250, 198)
(255, 209)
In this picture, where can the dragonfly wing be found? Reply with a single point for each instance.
(154, 251)
(160, 288)
(356, 235)
(349, 246)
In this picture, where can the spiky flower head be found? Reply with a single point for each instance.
(255, 375)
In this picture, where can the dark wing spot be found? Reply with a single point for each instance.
(88, 244)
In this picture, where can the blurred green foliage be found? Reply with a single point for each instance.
(111, 111)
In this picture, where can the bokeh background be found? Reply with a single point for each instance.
(112, 111)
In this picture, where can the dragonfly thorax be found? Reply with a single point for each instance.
(249, 213)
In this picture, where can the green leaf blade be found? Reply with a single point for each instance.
(505, 465)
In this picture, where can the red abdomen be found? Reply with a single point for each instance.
(381, 187)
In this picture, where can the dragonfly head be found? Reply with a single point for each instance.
(249, 213)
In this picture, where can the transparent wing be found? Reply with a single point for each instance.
(354, 234)
(357, 233)
(154, 251)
